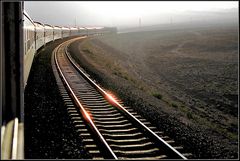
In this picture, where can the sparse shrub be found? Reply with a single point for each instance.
(115, 73)
(157, 95)
(189, 115)
(183, 106)
(174, 105)
(108, 65)
(141, 88)
(87, 51)
(126, 77)
(166, 101)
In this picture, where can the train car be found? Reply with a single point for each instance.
(90, 31)
(110, 30)
(99, 30)
(29, 45)
(82, 31)
(65, 31)
(39, 34)
(48, 30)
(86, 30)
(35, 35)
(73, 31)
(104, 30)
(57, 32)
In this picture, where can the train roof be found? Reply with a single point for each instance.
(99, 27)
(65, 27)
(25, 14)
(38, 23)
(95, 27)
(57, 27)
(73, 28)
(90, 28)
(48, 25)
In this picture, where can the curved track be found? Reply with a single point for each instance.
(108, 129)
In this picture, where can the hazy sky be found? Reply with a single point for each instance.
(118, 13)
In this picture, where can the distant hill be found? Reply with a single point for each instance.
(192, 19)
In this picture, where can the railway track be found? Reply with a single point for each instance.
(109, 130)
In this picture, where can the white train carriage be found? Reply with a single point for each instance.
(99, 30)
(57, 32)
(106, 30)
(39, 29)
(48, 30)
(73, 31)
(109, 30)
(65, 31)
(82, 31)
(90, 30)
(29, 45)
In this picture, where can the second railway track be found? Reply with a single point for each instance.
(108, 129)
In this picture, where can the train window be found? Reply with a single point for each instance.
(28, 44)
(27, 34)
(32, 38)
(25, 41)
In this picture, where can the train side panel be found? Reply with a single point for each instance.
(82, 31)
(57, 32)
(65, 32)
(39, 35)
(73, 31)
(29, 45)
(48, 33)
(90, 31)
(99, 30)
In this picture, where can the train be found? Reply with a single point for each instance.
(21, 40)
(37, 35)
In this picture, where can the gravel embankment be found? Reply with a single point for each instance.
(203, 143)
(49, 133)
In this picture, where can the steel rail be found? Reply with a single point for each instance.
(172, 151)
(82, 110)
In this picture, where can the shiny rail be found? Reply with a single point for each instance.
(168, 149)
(83, 111)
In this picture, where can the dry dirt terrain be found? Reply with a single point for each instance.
(182, 80)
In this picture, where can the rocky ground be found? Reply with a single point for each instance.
(166, 77)
(49, 133)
